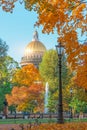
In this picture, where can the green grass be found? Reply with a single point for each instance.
(13, 121)
(76, 120)
(26, 121)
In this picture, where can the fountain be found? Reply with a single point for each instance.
(46, 98)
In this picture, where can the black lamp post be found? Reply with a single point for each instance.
(71, 90)
(60, 105)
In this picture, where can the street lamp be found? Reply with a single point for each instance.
(59, 49)
(71, 91)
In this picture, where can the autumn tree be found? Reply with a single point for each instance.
(69, 18)
(28, 94)
(27, 98)
(26, 75)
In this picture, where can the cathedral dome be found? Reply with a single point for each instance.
(33, 52)
(34, 47)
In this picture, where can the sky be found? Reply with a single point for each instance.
(17, 29)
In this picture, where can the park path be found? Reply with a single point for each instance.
(9, 127)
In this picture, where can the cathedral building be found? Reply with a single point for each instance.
(34, 52)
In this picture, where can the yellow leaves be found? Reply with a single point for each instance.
(29, 88)
(55, 13)
(81, 77)
(22, 106)
(78, 8)
(21, 96)
(66, 16)
(76, 56)
(26, 75)
(65, 126)
(50, 13)
(18, 95)
(83, 5)
(84, 49)
(77, 11)
(72, 47)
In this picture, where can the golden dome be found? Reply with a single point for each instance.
(34, 51)
(34, 47)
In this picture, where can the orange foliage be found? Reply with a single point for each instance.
(18, 95)
(65, 126)
(77, 11)
(66, 16)
(22, 95)
(30, 87)
(77, 57)
(81, 77)
(26, 75)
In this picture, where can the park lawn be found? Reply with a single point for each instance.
(44, 120)
(25, 121)
(15, 121)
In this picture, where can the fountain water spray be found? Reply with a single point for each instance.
(46, 98)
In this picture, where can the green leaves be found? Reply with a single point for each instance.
(77, 105)
(49, 71)
(48, 68)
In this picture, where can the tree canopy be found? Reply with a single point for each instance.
(28, 94)
(3, 50)
(27, 98)
(26, 75)
(7, 68)
(49, 69)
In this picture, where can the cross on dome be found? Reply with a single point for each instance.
(35, 36)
